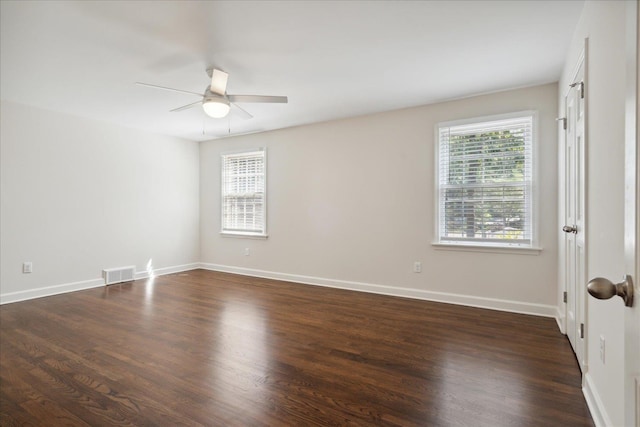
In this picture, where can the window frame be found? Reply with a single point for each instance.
(441, 243)
(240, 233)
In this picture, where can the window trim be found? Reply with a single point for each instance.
(533, 248)
(243, 234)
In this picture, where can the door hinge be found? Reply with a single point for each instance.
(581, 88)
(564, 297)
(564, 122)
(581, 330)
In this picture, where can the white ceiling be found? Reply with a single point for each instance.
(333, 59)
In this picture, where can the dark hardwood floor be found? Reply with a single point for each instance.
(215, 349)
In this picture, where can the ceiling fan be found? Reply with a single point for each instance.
(216, 102)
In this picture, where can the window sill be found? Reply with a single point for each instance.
(244, 235)
(491, 249)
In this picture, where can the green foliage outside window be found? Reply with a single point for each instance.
(486, 186)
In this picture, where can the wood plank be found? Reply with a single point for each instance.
(208, 348)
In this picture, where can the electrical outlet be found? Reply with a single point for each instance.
(602, 347)
(417, 267)
(27, 267)
(246, 252)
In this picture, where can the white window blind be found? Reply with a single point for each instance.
(485, 182)
(243, 193)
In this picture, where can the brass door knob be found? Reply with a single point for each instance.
(602, 288)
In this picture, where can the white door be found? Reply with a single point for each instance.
(574, 207)
(632, 220)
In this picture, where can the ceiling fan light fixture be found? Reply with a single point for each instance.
(216, 107)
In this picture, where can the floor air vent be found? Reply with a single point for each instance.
(118, 275)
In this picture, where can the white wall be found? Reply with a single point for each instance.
(351, 204)
(80, 195)
(603, 22)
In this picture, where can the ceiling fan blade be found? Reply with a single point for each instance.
(185, 107)
(258, 98)
(168, 88)
(219, 81)
(242, 112)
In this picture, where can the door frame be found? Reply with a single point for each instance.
(580, 300)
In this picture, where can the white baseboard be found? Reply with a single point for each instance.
(480, 302)
(594, 402)
(167, 270)
(47, 291)
(472, 301)
(561, 320)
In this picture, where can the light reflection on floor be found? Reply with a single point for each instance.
(149, 288)
(474, 390)
(240, 361)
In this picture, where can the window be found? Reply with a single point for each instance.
(244, 193)
(485, 176)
